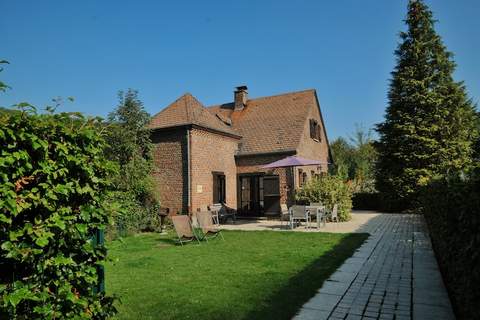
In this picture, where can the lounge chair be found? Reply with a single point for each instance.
(183, 228)
(298, 214)
(205, 223)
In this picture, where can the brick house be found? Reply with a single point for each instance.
(206, 155)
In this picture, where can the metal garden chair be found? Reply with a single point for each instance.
(298, 214)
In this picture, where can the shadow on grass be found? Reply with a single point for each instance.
(168, 241)
(284, 303)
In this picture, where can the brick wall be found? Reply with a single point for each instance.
(211, 152)
(170, 168)
(312, 149)
(251, 164)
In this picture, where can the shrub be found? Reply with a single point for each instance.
(329, 190)
(366, 201)
(130, 146)
(451, 209)
(131, 216)
(53, 177)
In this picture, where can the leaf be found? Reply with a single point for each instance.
(81, 227)
(42, 241)
(18, 295)
(4, 218)
(7, 246)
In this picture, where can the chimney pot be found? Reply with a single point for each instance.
(240, 97)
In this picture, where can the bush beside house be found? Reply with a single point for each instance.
(329, 190)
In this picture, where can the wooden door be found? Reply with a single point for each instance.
(271, 194)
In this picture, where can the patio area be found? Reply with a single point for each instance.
(362, 222)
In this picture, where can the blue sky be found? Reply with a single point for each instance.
(344, 49)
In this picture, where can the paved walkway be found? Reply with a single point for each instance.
(393, 275)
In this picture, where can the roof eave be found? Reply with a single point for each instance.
(196, 126)
(267, 153)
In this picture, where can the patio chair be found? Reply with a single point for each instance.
(298, 214)
(227, 213)
(183, 228)
(317, 211)
(334, 214)
(284, 214)
(205, 222)
(215, 209)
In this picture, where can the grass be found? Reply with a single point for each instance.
(250, 275)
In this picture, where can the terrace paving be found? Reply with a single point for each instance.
(393, 275)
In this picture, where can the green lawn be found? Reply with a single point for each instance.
(250, 275)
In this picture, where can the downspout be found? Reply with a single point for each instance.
(189, 171)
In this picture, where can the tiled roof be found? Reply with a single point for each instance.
(270, 124)
(187, 110)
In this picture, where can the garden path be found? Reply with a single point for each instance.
(393, 275)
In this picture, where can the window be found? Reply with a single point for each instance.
(315, 130)
(302, 177)
(218, 187)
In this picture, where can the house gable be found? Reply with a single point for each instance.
(188, 111)
(313, 145)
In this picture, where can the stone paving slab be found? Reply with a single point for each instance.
(393, 275)
(362, 221)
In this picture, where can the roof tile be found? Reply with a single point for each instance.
(188, 110)
(270, 124)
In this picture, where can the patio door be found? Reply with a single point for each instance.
(251, 195)
(271, 194)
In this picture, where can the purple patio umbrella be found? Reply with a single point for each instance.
(292, 161)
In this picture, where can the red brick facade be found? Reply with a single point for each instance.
(212, 152)
(171, 167)
(203, 144)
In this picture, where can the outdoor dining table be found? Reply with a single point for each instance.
(319, 212)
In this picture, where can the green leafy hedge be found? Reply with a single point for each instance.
(53, 176)
(328, 190)
(452, 210)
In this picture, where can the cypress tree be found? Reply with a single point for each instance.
(429, 127)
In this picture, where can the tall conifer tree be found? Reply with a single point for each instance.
(429, 125)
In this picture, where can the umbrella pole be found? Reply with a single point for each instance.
(293, 188)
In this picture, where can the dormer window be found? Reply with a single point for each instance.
(315, 130)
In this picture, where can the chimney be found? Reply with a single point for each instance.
(240, 97)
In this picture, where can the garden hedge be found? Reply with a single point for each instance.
(366, 201)
(451, 208)
(53, 176)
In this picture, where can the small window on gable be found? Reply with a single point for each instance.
(315, 130)
(302, 177)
